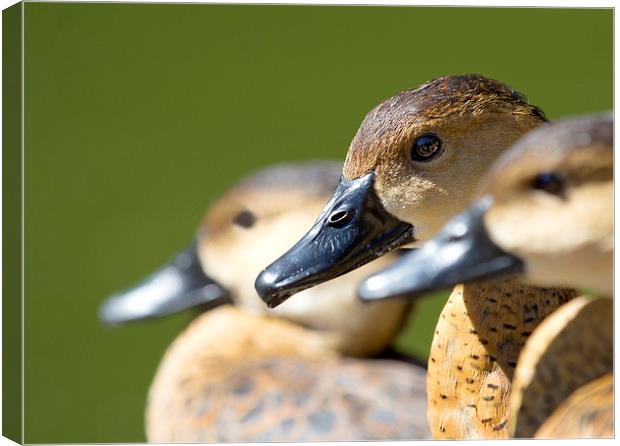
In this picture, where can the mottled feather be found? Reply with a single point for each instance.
(276, 381)
(587, 413)
(474, 351)
(571, 348)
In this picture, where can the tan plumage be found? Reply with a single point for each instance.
(551, 208)
(570, 349)
(450, 104)
(415, 162)
(473, 120)
(587, 413)
(422, 154)
(477, 341)
(568, 238)
(544, 212)
(473, 353)
(476, 118)
(290, 385)
(247, 373)
(573, 345)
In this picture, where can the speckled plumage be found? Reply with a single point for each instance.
(571, 348)
(477, 341)
(249, 373)
(290, 385)
(587, 413)
(563, 237)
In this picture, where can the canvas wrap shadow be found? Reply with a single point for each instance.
(137, 116)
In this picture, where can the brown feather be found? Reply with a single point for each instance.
(587, 413)
(477, 341)
(276, 381)
(436, 101)
(571, 348)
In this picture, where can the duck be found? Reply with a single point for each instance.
(558, 179)
(414, 163)
(322, 370)
(558, 176)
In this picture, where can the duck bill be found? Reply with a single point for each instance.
(461, 252)
(177, 286)
(352, 230)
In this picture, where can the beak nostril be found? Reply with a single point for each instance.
(458, 232)
(455, 237)
(340, 218)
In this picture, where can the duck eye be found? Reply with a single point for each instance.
(425, 147)
(549, 182)
(245, 219)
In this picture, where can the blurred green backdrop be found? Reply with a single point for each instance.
(137, 116)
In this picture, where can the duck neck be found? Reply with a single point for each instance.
(474, 352)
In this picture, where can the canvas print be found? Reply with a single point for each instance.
(291, 223)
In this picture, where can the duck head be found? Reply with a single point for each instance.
(414, 162)
(248, 227)
(545, 212)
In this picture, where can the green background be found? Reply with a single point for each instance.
(137, 116)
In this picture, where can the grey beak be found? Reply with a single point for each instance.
(176, 286)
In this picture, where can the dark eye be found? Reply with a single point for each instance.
(550, 182)
(245, 219)
(425, 147)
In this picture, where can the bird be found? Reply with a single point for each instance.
(321, 368)
(415, 161)
(544, 213)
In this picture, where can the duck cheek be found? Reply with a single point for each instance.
(396, 201)
(507, 228)
(427, 219)
(416, 200)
